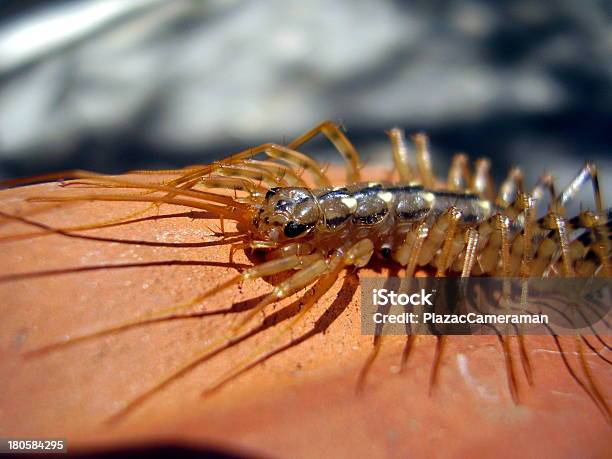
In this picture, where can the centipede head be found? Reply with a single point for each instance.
(286, 213)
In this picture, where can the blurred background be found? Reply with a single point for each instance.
(109, 85)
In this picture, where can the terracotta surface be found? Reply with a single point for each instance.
(302, 402)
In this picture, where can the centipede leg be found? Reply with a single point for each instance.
(503, 230)
(407, 254)
(300, 160)
(569, 272)
(510, 188)
(379, 337)
(588, 172)
(423, 159)
(482, 182)
(400, 154)
(459, 175)
(279, 170)
(443, 262)
(358, 255)
(454, 215)
(521, 254)
(307, 301)
(335, 135)
(544, 185)
(239, 159)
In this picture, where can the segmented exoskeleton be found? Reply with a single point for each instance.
(313, 230)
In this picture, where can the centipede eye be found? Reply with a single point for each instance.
(271, 192)
(294, 229)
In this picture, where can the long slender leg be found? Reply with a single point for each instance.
(305, 276)
(407, 254)
(257, 174)
(289, 156)
(267, 350)
(443, 264)
(340, 141)
(436, 237)
(472, 237)
(445, 255)
(400, 154)
(216, 347)
(568, 270)
(357, 255)
(278, 169)
(423, 158)
(482, 183)
(459, 175)
(561, 229)
(588, 172)
(528, 229)
(503, 231)
(379, 337)
(545, 185)
(525, 269)
(510, 188)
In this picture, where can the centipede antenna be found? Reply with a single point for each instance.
(219, 210)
